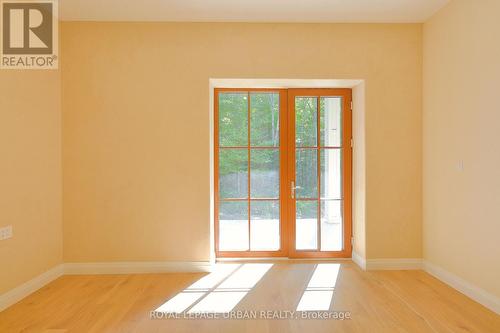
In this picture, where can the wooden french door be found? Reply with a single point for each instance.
(282, 172)
(250, 173)
(319, 172)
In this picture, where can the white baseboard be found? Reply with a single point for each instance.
(359, 260)
(137, 267)
(15, 295)
(386, 264)
(479, 295)
(394, 264)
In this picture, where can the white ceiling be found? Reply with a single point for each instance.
(250, 10)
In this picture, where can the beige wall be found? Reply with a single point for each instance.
(462, 123)
(135, 100)
(30, 174)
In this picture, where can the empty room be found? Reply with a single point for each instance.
(249, 166)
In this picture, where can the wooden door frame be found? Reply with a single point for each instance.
(287, 172)
(346, 95)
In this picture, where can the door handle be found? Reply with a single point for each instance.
(293, 188)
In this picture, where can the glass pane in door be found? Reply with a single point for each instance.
(265, 225)
(331, 225)
(306, 229)
(331, 173)
(265, 173)
(306, 113)
(233, 173)
(331, 121)
(233, 226)
(306, 173)
(233, 119)
(264, 119)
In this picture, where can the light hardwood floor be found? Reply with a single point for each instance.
(380, 301)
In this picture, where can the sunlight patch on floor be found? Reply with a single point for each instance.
(197, 290)
(218, 292)
(319, 291)
(230, 292)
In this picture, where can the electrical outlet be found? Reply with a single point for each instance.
(6, 232)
